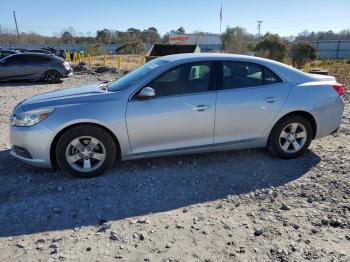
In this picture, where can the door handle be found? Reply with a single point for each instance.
(271, 99)
(201, 108)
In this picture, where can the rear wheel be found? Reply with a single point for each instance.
(85, 151)
(290, 137)
(52, 76)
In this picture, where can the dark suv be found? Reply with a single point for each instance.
(34, 66)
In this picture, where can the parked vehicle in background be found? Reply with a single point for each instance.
(175, 104)
(40, 51)
(4, 53)
(20, 49)
(33, 66)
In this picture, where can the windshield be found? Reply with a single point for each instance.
(134, 76)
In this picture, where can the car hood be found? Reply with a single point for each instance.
(70, 96)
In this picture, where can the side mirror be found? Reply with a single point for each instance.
(146, 93)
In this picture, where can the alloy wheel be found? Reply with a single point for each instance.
(85, 154)
(293, 137)
(51, 77)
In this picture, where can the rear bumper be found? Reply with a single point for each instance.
(67, 72)
(32, 144)
(329, 118)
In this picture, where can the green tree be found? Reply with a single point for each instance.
(67, 38)
(301, 53)
(272, 46)
(234, 40)
(104, 36)
(181, 30)
(150, 36)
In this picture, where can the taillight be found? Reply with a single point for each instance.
(66, 64)
(339, 88)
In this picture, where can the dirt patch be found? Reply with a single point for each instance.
(224, 206)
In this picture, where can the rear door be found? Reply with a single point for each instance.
(180, 116)
(14, 66)
(249, 98)
(37, 64)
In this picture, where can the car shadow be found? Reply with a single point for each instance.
(35, 200)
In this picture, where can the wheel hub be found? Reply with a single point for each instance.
(85, 154)
(293, 138)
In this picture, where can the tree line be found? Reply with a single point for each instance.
(148, 36)
(234, 39)
(104, 36)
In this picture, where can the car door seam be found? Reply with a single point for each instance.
(126, 125)
(216, 98)
(279, 111)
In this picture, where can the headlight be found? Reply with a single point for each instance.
(30, 118)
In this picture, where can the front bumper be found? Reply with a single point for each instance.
(67, 72)
(36, 140)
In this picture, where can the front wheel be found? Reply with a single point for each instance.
(85, 151)
(290, 137)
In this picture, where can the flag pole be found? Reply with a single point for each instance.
(220, 25)
(220, 17)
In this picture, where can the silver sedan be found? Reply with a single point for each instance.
(177, 104)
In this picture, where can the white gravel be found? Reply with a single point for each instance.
(225, 206)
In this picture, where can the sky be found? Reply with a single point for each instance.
(86, 16)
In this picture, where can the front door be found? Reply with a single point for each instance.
(13, 67)
(181, 115)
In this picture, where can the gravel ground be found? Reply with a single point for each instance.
(226, 206)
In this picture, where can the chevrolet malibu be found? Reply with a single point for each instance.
(177, 104)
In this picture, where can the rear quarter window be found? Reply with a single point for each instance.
(270, 77)
(38, 59)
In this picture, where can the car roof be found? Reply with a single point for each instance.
(50, 56)
(286, 72)
(219, 56)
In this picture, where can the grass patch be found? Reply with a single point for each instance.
(338, 68)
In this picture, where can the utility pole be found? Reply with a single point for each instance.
(14, 16)
(259, 27)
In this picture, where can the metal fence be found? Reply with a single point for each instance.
(69, 47)
(332, 49)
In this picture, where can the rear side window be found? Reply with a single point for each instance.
(242, 74)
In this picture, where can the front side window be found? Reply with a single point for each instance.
(242, 74)
(183, 79)
(16, 59)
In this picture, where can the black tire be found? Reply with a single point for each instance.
(100, 134)
(274, 142)
(52, 76)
